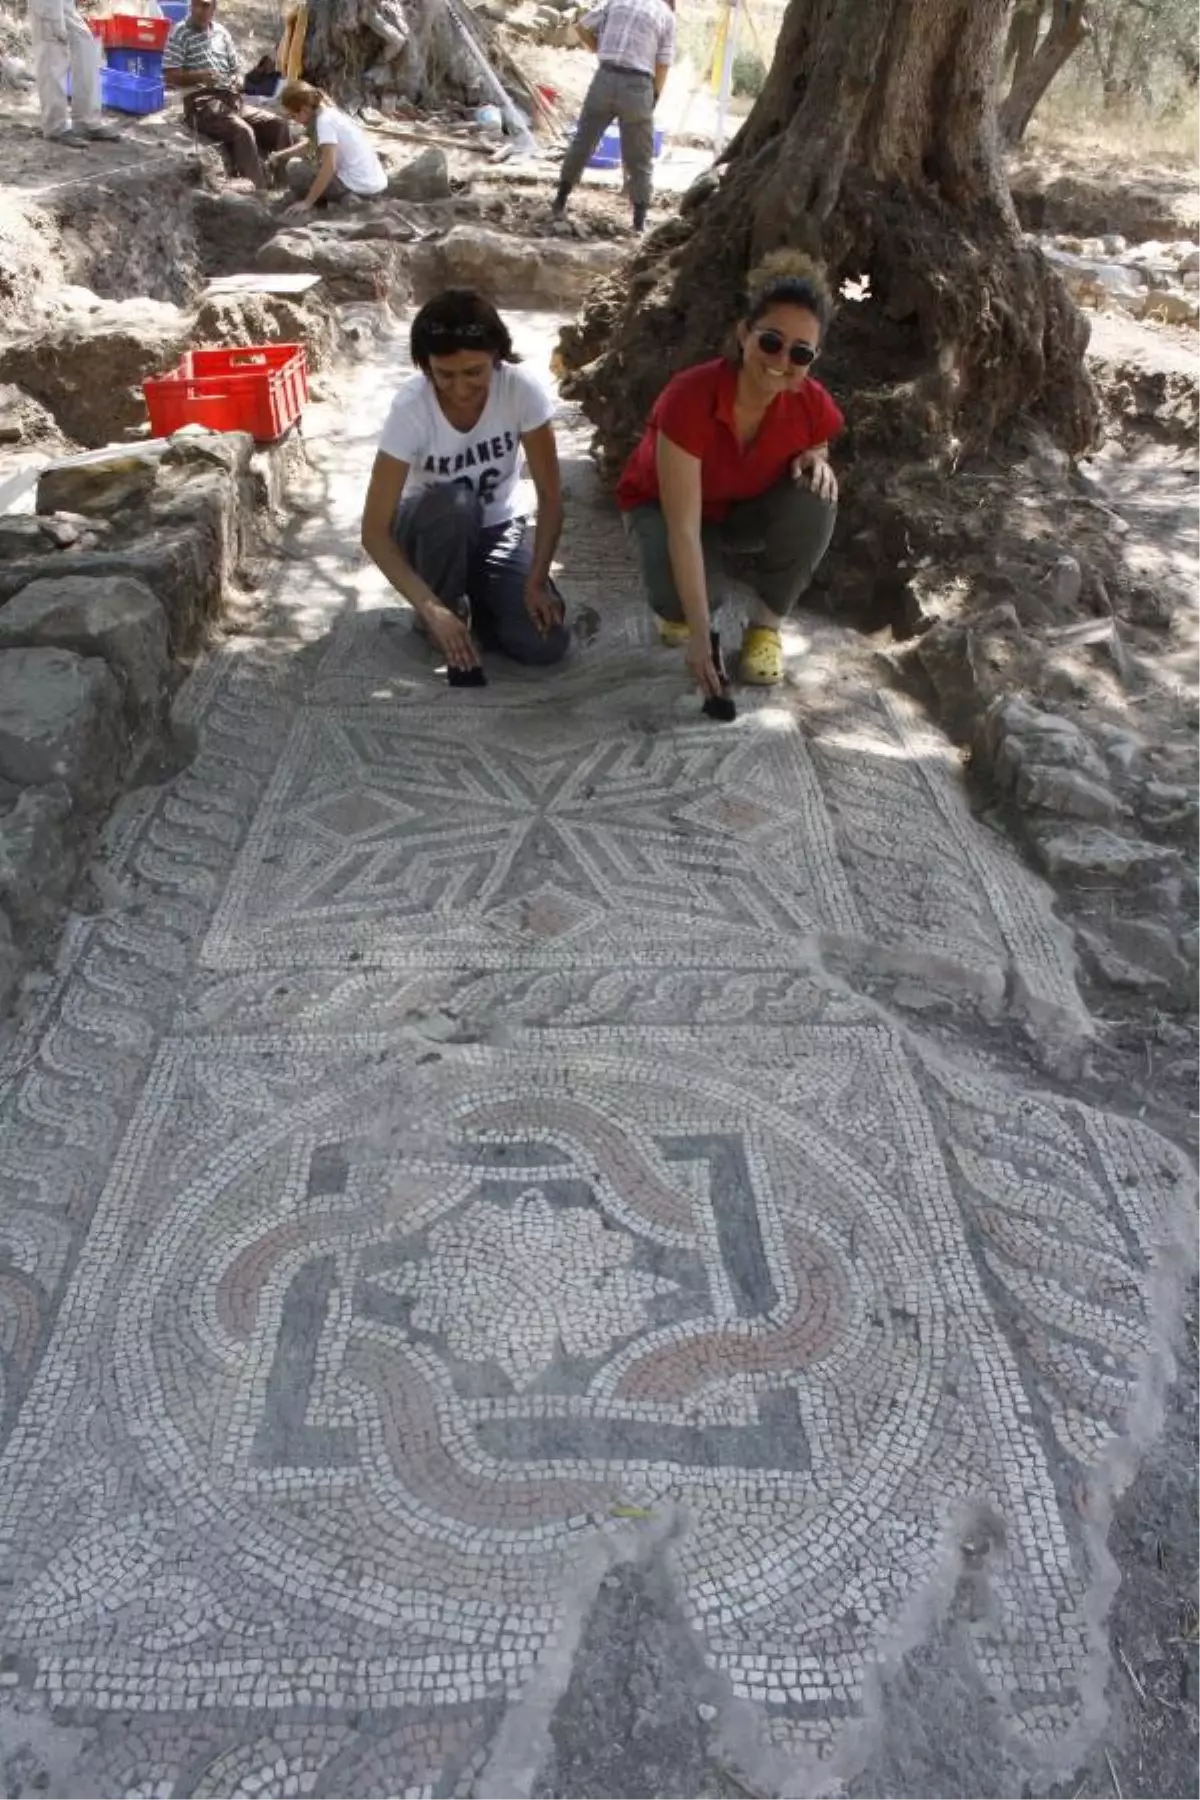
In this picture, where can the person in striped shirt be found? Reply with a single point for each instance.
(201, 62)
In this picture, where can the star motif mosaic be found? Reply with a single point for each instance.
(440, 844)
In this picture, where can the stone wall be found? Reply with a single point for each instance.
(105, 593)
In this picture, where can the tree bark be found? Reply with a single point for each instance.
(875, 146)
(1068, 29)
(378, 50)
(1023, 33)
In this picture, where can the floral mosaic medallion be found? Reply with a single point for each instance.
(538, 1260)
(409, 1334)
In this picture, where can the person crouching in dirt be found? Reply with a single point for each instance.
(200, 61)
(735, 457)
(340, 162)
(441, 517)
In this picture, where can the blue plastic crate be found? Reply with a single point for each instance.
(607, 154)
(146, 63)
(175, 10)
(128, 93)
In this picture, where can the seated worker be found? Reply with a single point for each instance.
(341, 161)
(441, 517)
(200, 60)
(735, 456)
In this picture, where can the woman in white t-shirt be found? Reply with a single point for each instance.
(441, 518)
(345, 161)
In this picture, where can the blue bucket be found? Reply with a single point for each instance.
(607, 154)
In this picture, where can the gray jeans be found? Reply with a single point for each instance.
(783, 534)
(476, 567)
(628, 97)
(299, 173)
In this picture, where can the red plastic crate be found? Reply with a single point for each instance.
(259, 389)
(125, 31)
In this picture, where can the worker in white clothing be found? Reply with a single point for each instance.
(63, 44)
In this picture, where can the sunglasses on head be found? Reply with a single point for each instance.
(457, 331)
(771, 342)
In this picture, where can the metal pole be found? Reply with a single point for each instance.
(731, 32)
(460, 19)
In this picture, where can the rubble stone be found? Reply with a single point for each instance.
(1019, 734)
(39, 857)
(1173, 308)
(1067, 792)
(1091, 280)
(22, 535)
(88, 368)
(232, 229)
(98, 489)
(1092, 856)
(186, 538)
(1142, 955)
(23, 420)
(512, 271)
(60, 721)
(370, 269)
(10, 964)
(114, 617)
(424, 179)
(223, 319)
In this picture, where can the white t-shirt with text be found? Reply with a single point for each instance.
(487, 458)
(358, 166)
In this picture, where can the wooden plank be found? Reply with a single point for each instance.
(139, 447)
(388, 129)
(252, 283)
(17, 486)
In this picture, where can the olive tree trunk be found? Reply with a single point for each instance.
(1033, 73)
(383, 51)
(875, 145)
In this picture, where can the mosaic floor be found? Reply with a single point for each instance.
(452, 1158)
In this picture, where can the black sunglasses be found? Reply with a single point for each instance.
(772, 342)
(457, 331)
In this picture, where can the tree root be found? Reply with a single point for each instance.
(966, 330)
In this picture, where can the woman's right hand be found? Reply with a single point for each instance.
(452, 637)
(700, 663)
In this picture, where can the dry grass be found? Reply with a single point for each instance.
(1169, 136)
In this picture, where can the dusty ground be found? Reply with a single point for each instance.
(34, 169)
(1063, 185)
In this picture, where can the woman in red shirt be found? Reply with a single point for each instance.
(735, 456)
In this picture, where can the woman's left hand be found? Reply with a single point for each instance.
(543, 605)
(814, 471)
(298, 211)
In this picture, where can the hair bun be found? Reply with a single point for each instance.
(786, 265)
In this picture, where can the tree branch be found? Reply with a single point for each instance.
(1068, 28)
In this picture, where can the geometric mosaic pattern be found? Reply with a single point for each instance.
(791, 1329)
(411, 843)
(450, 1150)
